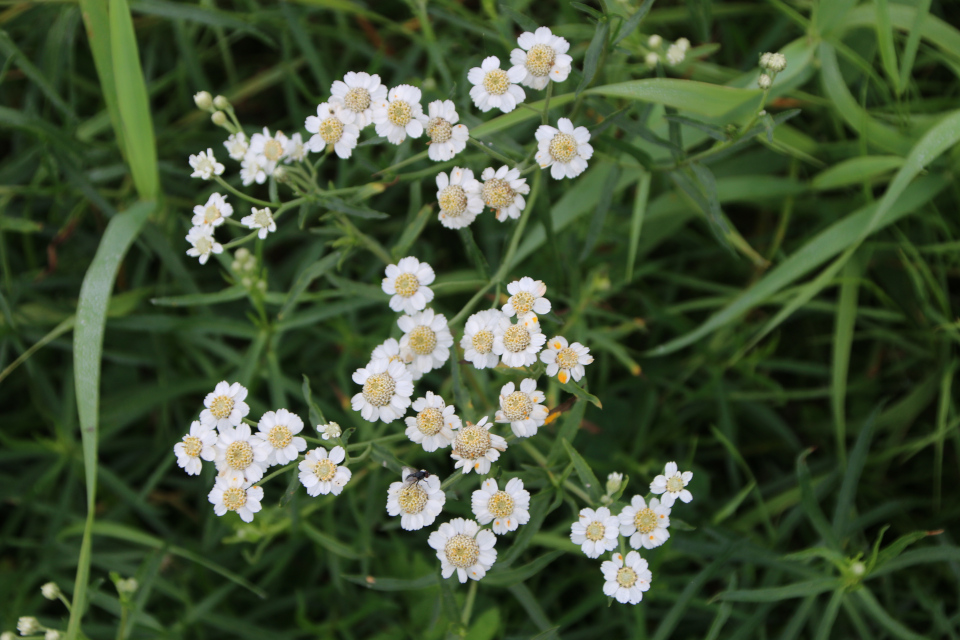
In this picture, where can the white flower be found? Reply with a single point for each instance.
(50, 591)
(507, 509)
(764, 81)
(400, 115)
(205, 165)
(526, 296)
(214, 213)
(261, 219)
(199, 443)
(433, 426)
(427, 336)
(518, 344)
(407, 282)
(596, 531)
(478, 335)
(225, 406)
(238, 454)
(464, 547)
(333, 125)
(447, 138)
(253, 169)
(565, 149)
(359, 92)
(503, 191)
(329, 431)
(270, 149)
(542, 57)
(417, 502)
(321, 473)
(626, 580)
(522, 408)
(237, 145)
(474, 447)
(28, 625)
(390, 351)
(565, 361)
(494, 87)
(232, 493)
(277, 431)
(459, 198)
(672, 485)
(202, 243)
(775, 62)
(645, 524)
(296, 150)
(677, 51)
(387, 387)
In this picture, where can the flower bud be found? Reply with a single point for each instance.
(127, 586)
(280, 174)
(221, 103)
(219, 118)
(7, 635)
(614, 482)
(652, 59)
(203, 100)
(777, 62)
(262, 285)
(50, 591)
(51, 634)
(328, 431)
(858, 568)
(683, 44)
(764, 81)
(28, 625)
(655, 41)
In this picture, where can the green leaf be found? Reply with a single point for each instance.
(594, 51)
(852, 473)
(411, 232)
(511, 577)
(587, 477)
(715, 132)
(876, 611)
(636, 222)
(572, 387)
(588, 10)
(329, 543)
(236, 292)
(600, 213)
(855, 171)
(786, 592)
(308, 275)
(394, 584)
(686, 95)
(808, 500)
(888, 54)
(522, 21)
(842, 344)
(338, 205)
(315, 414)
(474, 254)
(633, 21)
(915, 556)
(913, 43)
(97, 21)
(487, 624)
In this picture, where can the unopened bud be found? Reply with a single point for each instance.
(28, 625)
(127, 586)
(328, 431)
(652, 59)
(219, 118)
(221, 103)
(655, 41)
(764, 81)
(262, 285)
(50, 591)
(203, 100)
(51, 634)
(280, 173)
(614, 482)
(858, 569)
(683, 44)
(7, 635)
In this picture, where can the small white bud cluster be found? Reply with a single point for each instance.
(127, 586)
(772, 64)
(329, 431)
(677, 52)
(614, 482)
(245, 266)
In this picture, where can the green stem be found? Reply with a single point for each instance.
(546, 104)
(493, 154)
(239, 241)
(396, 437)
(468, 604)
(282, 469)
(240, 194)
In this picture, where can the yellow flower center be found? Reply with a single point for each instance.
(496, 82)
(497, 193)
(399, 113)
(262, 218)
(378, 389)
(675, 484)
(234, 498)
(324, 469)
(239, 455)
(272, 149)
(595, 531)
(522, 302)
(280, 436)
(192, 446)
(462, 551)
(412, 498)
(357, 99)
(516, 338)
(439, 130)
(482, 341)
(472, 442)
(563, 147)
(222, 406)
(517, 406)
(626, 577)
(203, 245)
(423, 340)
(645, 520)
(540, 60)
(211, 214)
(453, 200)
(406, 284)
(430, 421)
(500, 504)
(567, 358)
(331, 130)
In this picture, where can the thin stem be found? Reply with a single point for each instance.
(468, 604)
(493, 154)
(546, 104)
(282, 469)
(239, 241)
(240, 194)
(396, 437)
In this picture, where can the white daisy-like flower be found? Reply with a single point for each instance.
(237, 145)
(522, 408)
(407, 282)
(271, 149)
(389, 350)
(526, 296)
(28, 625)
(214, 213)
(464, 547)
(626, 579)
(507, 509)
(474, 447)
(565, 361)
(447, 138)
(296, 150)
(387, 387)
(645, 524)
(417, 502)
(542, 57)
(518, 344)
(596, 531)
(205, 165)
(253, 169)
(277, 433)
(225, 406)
(202, 243)
(232, 493)
(565, 149)
(261, 219)
(503, 190)
(199, 444)
(238, 454)
(433, 426)
(333, 125)
(400, 114)
(426, 336)
(494, 87)
(359, 92)
(329, 431)
(477, 340)
(322, 474)
(459, 198)
(672, 484)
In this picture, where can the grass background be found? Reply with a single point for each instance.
(813, 397)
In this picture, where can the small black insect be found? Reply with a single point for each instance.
(413, 476)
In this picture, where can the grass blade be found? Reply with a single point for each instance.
(842, 344)
(888, 54)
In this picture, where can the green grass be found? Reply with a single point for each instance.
(776, 311)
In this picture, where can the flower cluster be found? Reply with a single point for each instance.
(672, 55)
(772, 64)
